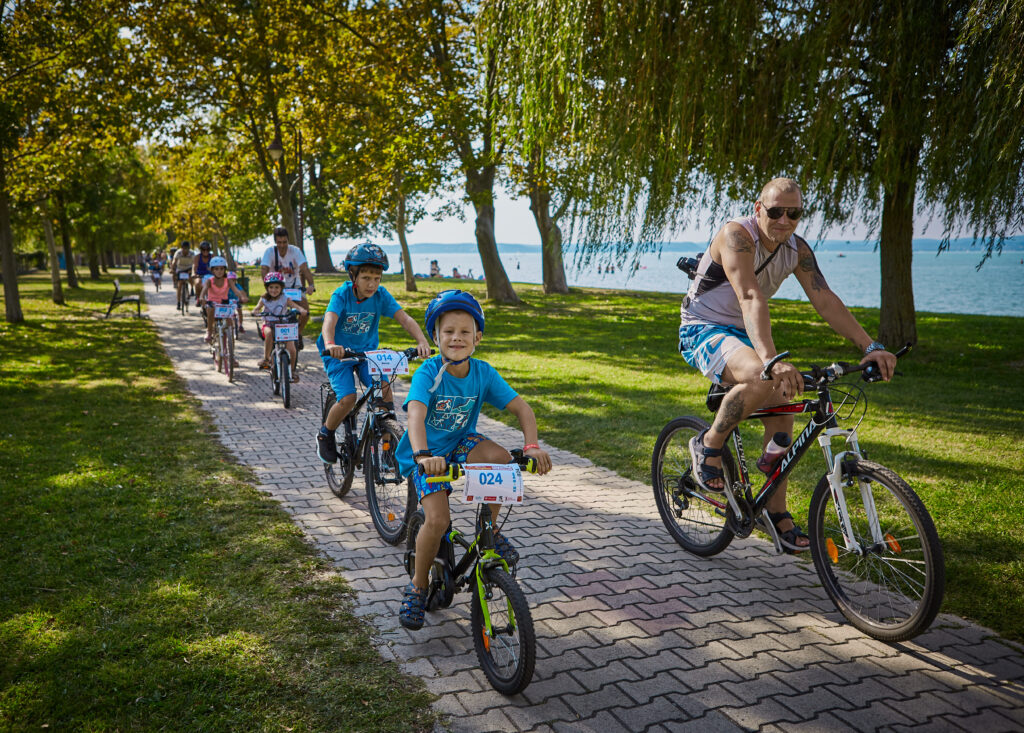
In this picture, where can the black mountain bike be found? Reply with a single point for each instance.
(873, 543)
(372, 447)
(499, 615)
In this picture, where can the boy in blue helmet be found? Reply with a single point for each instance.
(352, 321)
(444, 402)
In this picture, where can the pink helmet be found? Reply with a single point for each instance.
(273, 277)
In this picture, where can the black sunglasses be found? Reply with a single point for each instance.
(776, 212)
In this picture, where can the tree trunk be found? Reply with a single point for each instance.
(323, 254)
(898, 318)
(65, 238)
(94, 261)
(12, 300)
(51, 245)
(320, 238)
(400, 224)
(480, 187)
(552, 265)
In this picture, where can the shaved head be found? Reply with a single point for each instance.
(779, 186)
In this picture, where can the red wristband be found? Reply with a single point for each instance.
(531, 445)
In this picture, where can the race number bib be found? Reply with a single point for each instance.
(223, 311)
(293, 294)
(286, 332)
(493, 484)
(385, 362)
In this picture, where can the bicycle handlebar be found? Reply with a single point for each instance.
(838, 369)
(409, 353)
(455, 470)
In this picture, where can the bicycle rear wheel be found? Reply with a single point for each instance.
(386, 491)
(695, 518)
(509, 652)
(284, 370)
(339, 474)
(890, 589)
(441, 584)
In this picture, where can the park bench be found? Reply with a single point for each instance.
(118, 299)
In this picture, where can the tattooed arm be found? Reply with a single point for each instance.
(826, 302)
(734, 248)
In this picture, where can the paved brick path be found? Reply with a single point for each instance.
(633, 633)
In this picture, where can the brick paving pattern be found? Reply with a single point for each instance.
(633, 633)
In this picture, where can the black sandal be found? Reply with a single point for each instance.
(788, 538)
(702, 473)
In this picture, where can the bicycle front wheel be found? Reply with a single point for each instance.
(890, 584)
(508, 651)
(227, 351)
(386, 492)
(695, 518)
(284, 371)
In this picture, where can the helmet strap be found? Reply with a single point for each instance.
(445, 363)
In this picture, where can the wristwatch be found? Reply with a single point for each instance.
(422, 454)
(874, 346)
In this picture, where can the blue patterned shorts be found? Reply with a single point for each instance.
(459, 455)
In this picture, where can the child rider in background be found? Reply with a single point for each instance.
(215, 290)
(352, 321)
(444, 402)
(275, 303)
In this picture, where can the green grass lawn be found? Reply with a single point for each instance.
(601, 371)
(145, 584)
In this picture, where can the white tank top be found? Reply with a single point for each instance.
(711, 298)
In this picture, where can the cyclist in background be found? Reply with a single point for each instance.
(201, 267)
(291, 262)
(182, 262)
(216, 289)
(275, 303)
(156, 268)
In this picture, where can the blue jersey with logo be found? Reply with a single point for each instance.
(358, 322)
(453, 408)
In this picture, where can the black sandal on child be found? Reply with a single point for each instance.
(702, 473)
(788, 538)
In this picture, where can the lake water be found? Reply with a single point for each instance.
(948, 283)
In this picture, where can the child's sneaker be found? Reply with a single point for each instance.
(326, 448)
(414, 604)
(505, 548)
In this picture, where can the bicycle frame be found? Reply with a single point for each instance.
(375, 390)
(822, 426)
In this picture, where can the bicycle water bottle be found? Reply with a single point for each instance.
(773, 451)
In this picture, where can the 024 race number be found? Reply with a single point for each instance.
(493, 484)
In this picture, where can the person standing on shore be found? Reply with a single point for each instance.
(725, 330)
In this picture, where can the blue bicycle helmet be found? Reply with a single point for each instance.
(452, 300)
(366, 253)
(218, 262)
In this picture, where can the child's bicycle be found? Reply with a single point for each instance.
(223, 346)
(873, 543)
(372, 447)
(284, 328)
(500, 619)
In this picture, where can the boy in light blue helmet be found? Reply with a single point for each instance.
(352, 321)
(444, 402)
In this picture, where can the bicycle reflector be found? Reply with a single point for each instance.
(833, 551)
(893, 543)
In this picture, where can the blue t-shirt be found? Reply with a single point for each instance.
(453, 408)
(358, 322)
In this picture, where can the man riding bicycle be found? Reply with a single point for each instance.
(725, 330)
(182, 263)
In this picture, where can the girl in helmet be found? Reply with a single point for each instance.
(444, 403)
(275, 303)
(352, 321)
(216, 289)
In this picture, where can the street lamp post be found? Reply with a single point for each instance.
(276, 150)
